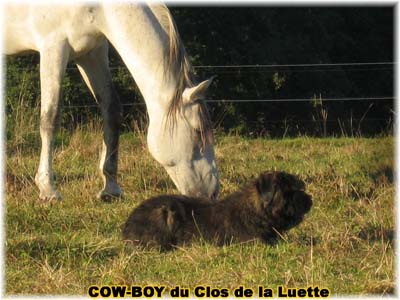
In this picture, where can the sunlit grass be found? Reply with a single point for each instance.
(345, 243)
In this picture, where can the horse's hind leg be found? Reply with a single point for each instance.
(96, 73)
(53, 61)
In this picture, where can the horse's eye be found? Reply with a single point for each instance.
(170, 163)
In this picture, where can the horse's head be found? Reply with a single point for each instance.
(182, 142)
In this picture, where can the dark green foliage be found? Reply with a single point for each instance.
(271, 35)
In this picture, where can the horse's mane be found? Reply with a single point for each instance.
(177, 62)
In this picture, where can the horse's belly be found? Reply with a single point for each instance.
(17, 30)
(12, 46)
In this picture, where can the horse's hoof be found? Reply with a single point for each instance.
(51, 197)
(108, 197)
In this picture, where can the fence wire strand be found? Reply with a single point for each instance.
(256, 101)
(247, 66)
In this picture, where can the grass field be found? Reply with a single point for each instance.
(345, 243)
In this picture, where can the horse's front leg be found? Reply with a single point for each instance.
(53, 61)
(96, 73)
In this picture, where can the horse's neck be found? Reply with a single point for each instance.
(142, 43)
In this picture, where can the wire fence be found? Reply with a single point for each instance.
(275, 66)
(226, 70)
(255, 101)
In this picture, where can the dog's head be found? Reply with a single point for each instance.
(283, 199)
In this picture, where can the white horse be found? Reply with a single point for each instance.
(179, 133)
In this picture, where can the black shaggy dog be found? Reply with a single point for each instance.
(273, 203)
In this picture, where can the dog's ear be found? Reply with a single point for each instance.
(265, 187)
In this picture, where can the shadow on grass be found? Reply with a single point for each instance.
(373, 233)
(383, 175)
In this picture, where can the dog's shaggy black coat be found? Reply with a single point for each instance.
(271, 204)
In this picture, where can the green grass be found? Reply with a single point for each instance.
(344, 244)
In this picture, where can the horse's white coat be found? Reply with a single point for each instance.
(82, 32)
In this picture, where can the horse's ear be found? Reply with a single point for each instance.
(197, 92)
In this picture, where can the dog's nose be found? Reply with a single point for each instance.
(309, 203)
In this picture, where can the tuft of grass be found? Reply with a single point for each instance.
(345, 243)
